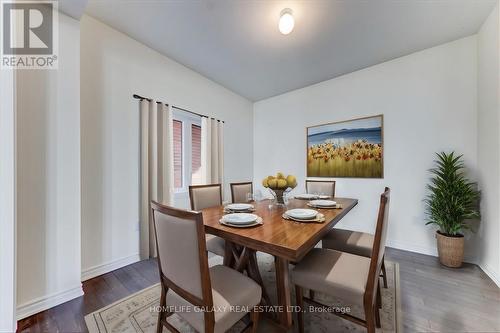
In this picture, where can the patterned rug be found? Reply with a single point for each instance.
(135, 313)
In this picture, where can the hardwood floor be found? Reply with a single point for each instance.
(439, 299)
(99, 292)
(434, 298)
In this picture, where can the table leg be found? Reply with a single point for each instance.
(254, 273)
(243, 259)
(228, 254)
(283, 288)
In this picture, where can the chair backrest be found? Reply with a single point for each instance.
(326, 187)
(239, 191)
(205, 196)
(182, 253)
(378, 249)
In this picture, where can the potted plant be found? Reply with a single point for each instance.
(452, 200)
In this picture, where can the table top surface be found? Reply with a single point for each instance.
(283, 238)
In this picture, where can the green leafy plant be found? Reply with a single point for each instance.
(452, 197)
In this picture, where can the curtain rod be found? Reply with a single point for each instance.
(176, 107)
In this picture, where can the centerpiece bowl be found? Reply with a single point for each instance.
(279, 186)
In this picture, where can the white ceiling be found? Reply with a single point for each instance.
(73, 8)
(237, 43)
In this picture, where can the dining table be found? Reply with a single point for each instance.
(288, 241)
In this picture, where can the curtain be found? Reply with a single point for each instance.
(156, 167)
(212, 151)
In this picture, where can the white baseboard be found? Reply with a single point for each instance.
(491, 273)
(8, 330)
(109, 266)
(412, 247)
(433, 252)
(43, 303)
(46, 302)
(422, 250)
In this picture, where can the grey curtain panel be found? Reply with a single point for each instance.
(212, 150)
(156, 167)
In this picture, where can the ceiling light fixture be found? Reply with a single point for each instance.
(287, 22)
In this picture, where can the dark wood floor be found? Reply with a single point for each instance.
(434, 298)
(439, 299)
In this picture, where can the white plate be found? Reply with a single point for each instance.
(302, 213)
(323, 203)
(323, 196)
(306, 196)
(239, 206)
(318, 218)
(257, 222)
(240, 218)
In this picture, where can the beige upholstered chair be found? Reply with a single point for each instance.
(359, 243)
(206, 196)
(187, 281)
(321, 187)
(239, 191)
(350, 277)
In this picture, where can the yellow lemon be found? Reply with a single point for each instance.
(282, 184)
(272, 183)
(291, 181)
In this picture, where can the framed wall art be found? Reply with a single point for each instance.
(352, 148)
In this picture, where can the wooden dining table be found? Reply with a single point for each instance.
(288, 241)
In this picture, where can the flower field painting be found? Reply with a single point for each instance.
(352, 148)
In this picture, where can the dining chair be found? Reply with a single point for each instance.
(326, 187)
(209, 299)
(355, 242)
(205, 196)
(350, 277)
(239, 191)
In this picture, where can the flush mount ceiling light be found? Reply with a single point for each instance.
(287, 22)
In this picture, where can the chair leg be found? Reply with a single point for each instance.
(377, 316)
(254, 317)
(370, 318)
(384, 273)
(163, 302)
(300, 304)
(379, 297)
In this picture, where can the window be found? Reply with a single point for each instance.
(187, 150)
(195, 154)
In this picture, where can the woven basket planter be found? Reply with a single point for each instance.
(450, 249)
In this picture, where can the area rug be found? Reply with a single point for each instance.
(136, 313)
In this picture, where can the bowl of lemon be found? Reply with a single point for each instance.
(279, 185)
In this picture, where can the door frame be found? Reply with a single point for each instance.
(8, 321)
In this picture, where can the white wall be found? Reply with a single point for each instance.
(7, 203)
(48, 179)
(489, 144)
(113, 68)
(429, 104)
